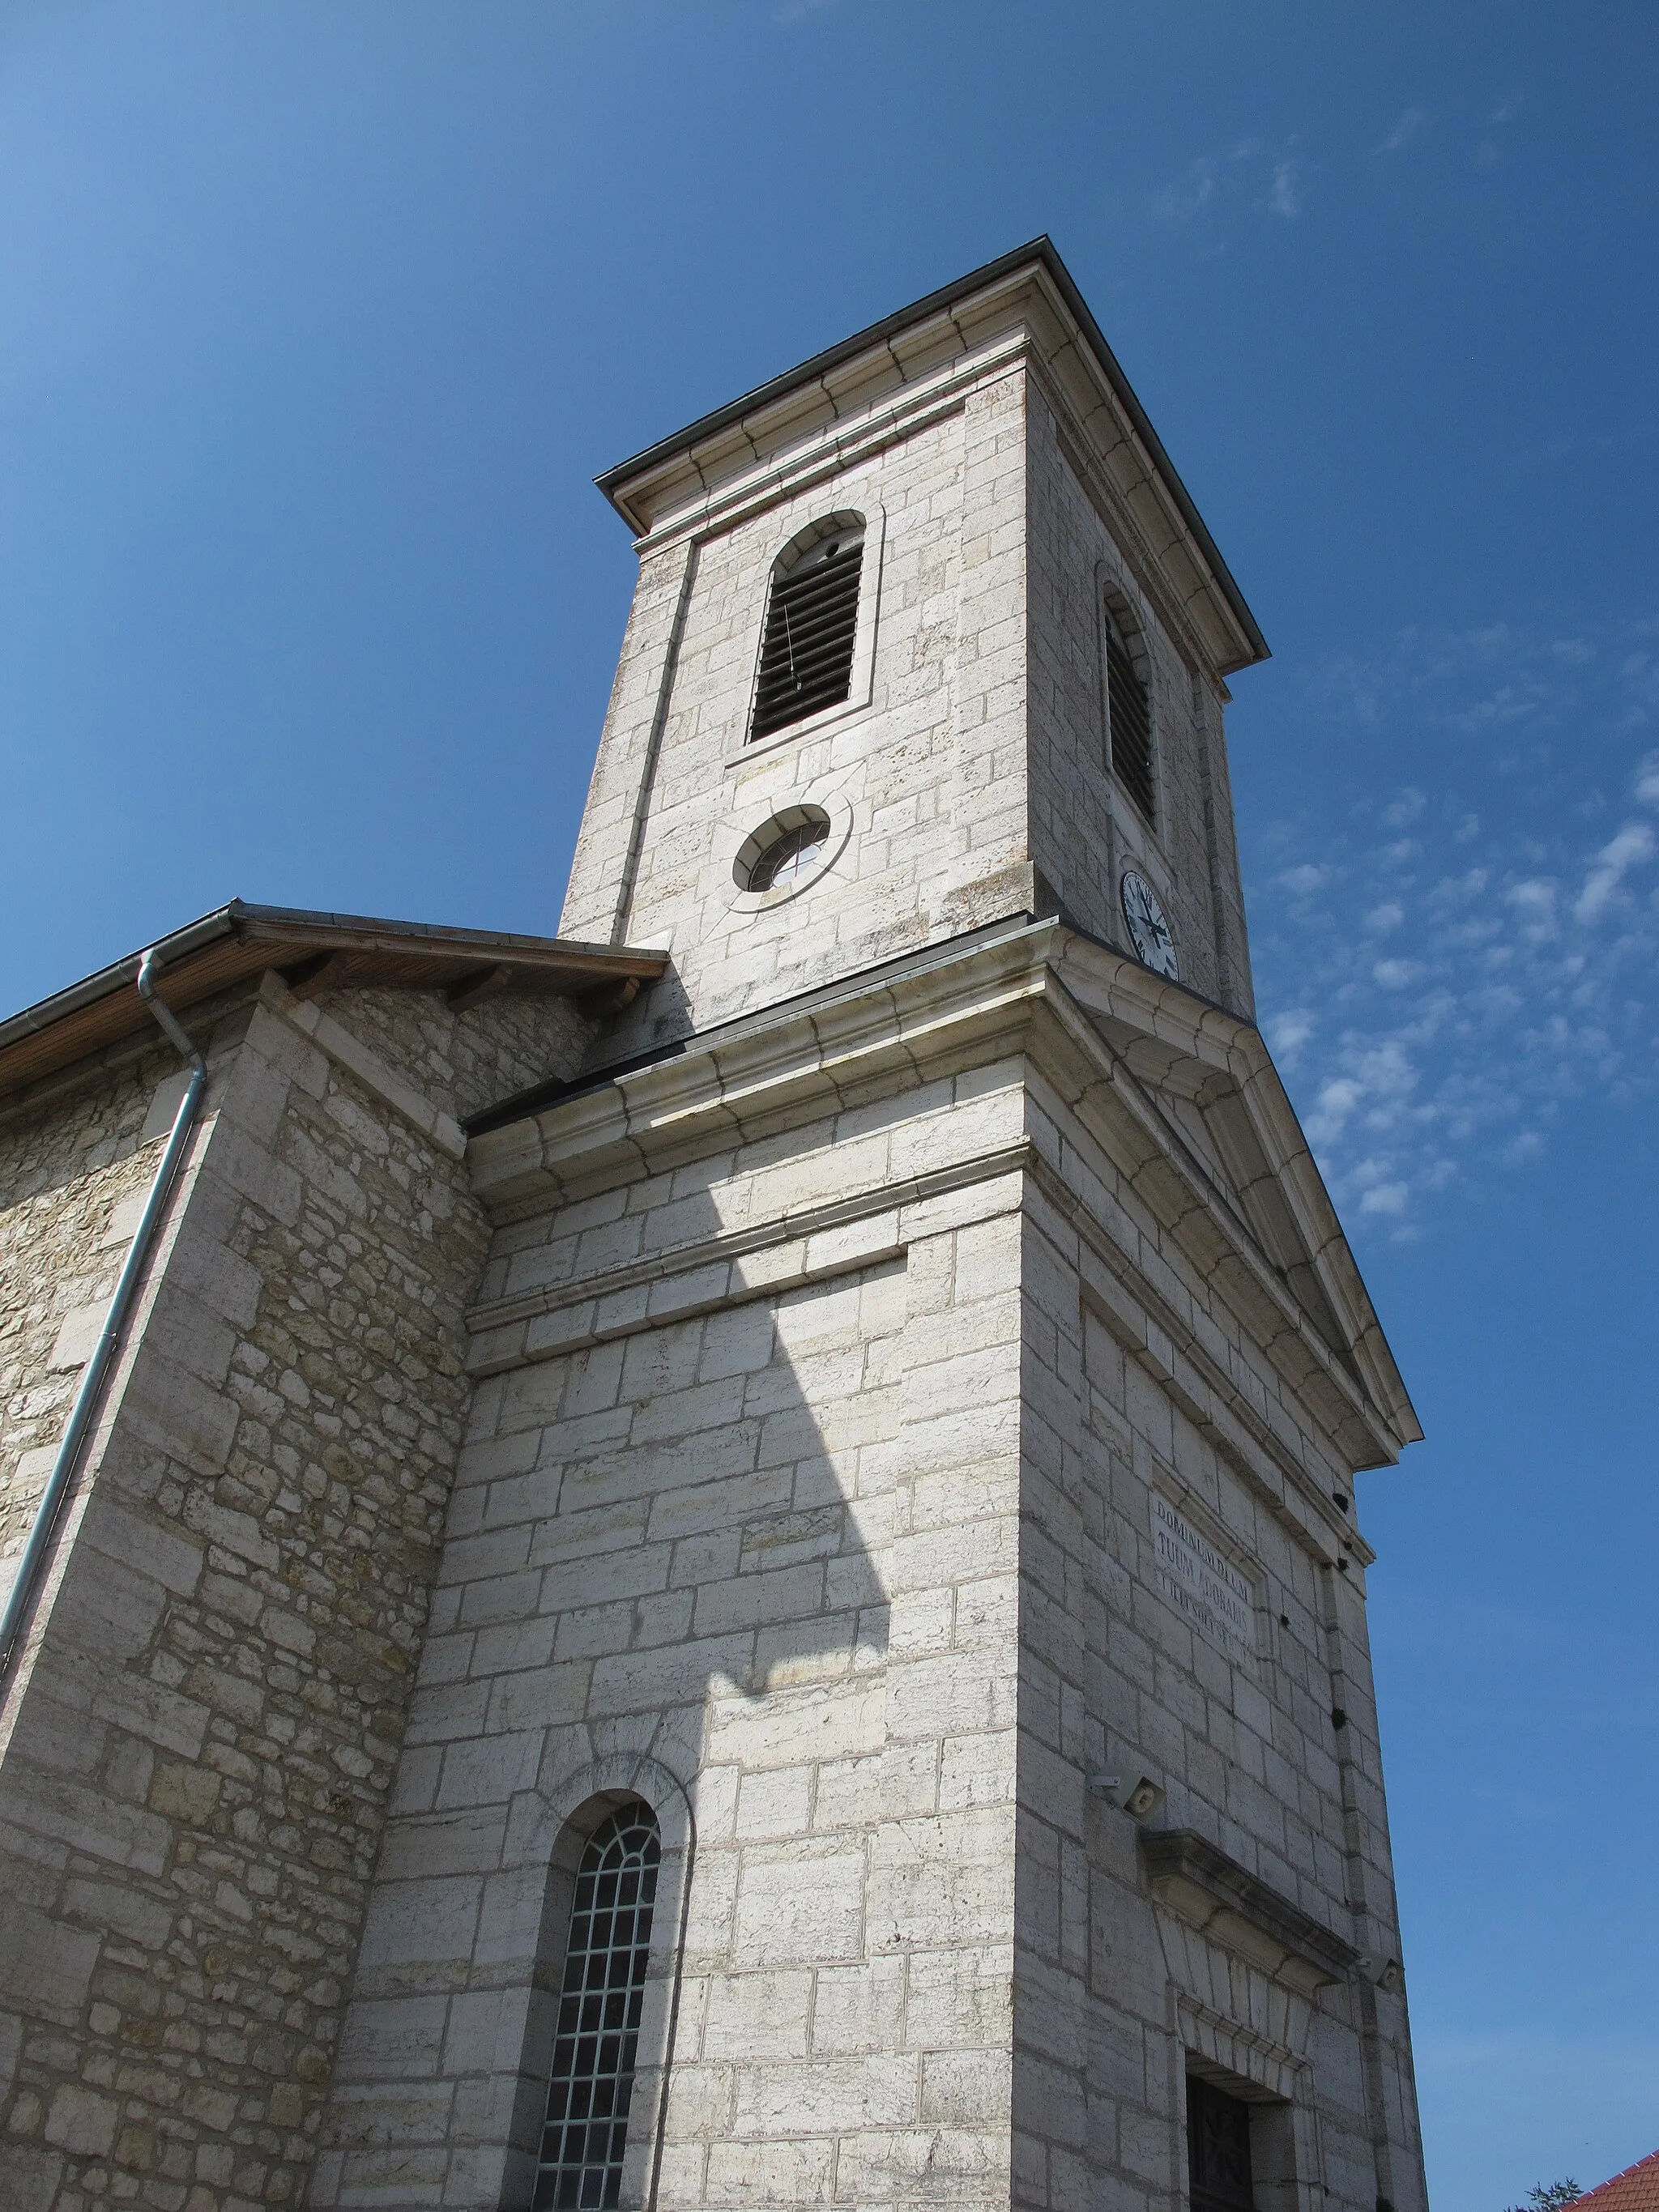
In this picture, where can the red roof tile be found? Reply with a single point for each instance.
(1635, 2190)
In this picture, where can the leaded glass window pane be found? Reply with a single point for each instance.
(596, 2040)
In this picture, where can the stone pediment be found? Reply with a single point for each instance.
(1202, 1084)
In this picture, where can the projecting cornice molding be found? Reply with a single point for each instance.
(901, 374)
(1117, 1044)
(1227, 1902)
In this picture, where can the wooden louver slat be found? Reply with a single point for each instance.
(806, 658)
(1129, 722)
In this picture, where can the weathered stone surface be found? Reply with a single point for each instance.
(855, 1433)
(201, 1734)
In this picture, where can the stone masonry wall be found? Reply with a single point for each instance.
(1085, 828)
(756, 1563)
(71, 1178)
(1113, 1994)
(201, 1738)
(930, 773)
(464, 1062)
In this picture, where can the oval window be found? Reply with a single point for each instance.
(788, 850)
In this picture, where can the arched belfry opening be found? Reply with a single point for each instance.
(811, 626)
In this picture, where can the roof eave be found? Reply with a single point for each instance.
(87, 1016)
(1039, 252)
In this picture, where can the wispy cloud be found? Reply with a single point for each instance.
(1244, 179)
(1505, 111)
(1285, 197)
(1632, 845)
(1301, 882)
(1439, 984)
(1404, 130)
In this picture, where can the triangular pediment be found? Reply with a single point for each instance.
(1201, 1083)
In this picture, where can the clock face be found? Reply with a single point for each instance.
(1149, 928)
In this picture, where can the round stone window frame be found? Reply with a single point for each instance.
(829, 807)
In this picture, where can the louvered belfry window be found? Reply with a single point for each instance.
(1129, 720)
(596, 2040)
(806, 655)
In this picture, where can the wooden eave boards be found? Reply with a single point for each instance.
(313, 950)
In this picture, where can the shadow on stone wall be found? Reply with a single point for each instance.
(659, 1551)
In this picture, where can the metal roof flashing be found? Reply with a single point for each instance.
(728, 423)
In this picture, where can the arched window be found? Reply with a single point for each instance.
(812, 623)
(1128, 718)
(596, 2040)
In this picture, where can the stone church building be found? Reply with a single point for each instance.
(711, 1561)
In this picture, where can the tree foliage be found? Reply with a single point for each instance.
(1550, 2199)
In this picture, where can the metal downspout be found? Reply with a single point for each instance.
(81, 1413)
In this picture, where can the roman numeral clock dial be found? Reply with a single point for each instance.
(1149, 926)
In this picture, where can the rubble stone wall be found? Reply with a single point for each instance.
(72, 1177)
(201, 1734)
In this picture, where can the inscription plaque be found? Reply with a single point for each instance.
(1207, 1589)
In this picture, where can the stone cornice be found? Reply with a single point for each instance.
(800, 1245)
(1026, 992)
(1221, 1898)
(825, 425)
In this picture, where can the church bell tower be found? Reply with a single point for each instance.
(895, 1727)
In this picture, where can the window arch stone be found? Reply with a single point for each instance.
(766, 723)
(551, 1829)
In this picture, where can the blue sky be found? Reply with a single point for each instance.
(318, 320)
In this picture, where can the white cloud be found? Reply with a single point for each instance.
(1386, 1198)
(1303, 882)
(1505, 111)
(1397, 974)
(1288, 1032)
(1244, 179)
(1190, 194)
(1459, 890)
(1632, 845)
(1333, 1109)
(1403, 132)
(1457, 1058)
(1534, 900)
(1284, 197)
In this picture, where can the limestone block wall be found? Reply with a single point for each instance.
(198, 1740)
(1123, 1420)
(739, 1534)
(1085, 828)
(925, 782)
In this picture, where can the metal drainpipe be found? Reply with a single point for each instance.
(85, 1407)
